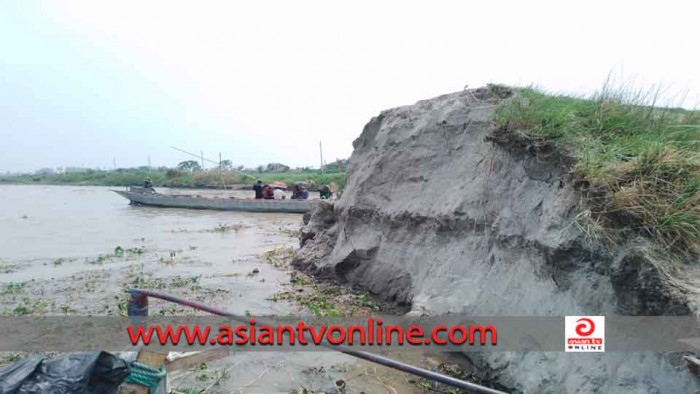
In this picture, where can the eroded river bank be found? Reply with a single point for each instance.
(67, 250)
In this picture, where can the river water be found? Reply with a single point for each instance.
(75, 249)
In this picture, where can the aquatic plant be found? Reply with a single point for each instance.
(99, 260)
(136, 250)
(170, 260)
(13, 288)
(4, 267)
(29, 307)
(179, 281)
(279, 257)
(224, 228)
(291, 233)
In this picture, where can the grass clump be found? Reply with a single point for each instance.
(641, 160)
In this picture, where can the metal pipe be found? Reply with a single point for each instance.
(138, 299)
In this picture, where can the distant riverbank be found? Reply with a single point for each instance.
(174, 178)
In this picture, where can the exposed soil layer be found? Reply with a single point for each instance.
(447, 214)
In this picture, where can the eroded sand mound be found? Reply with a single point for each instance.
(444, 213)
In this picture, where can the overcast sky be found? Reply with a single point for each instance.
(82, 83)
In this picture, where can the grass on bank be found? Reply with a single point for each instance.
(645, 157)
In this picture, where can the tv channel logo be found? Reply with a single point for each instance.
(584, 333)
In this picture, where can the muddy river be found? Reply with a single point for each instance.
(75, 249)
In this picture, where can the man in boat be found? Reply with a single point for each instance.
(300, 193)
(148, 185)
(296, 192)
(267, 192)
(325, 192)
(258, 190)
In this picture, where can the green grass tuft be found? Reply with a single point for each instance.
(646, 158)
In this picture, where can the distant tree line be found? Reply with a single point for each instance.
(188, 173)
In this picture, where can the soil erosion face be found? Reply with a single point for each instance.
(445, 214)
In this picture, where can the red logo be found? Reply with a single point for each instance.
(584, 333)
(586, 328)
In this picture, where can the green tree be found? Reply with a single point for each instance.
(189, 165)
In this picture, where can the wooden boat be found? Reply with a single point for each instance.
(143, 196)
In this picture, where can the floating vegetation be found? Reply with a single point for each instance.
(225, 228)
(138, 250)
(330, 299)
(122, 301)
(13, 288)
(179, 281)
(138, 280)
(27, 307)
(291, 233)
(279, 257)
(147, 282)
(4, 267)
(172, 309)
(67, 309)
(170, 260)
(99, 260)
(220, 228)
(119, 251)
(450, 369)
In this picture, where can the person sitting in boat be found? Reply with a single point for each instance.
(325, 192)
(148, 185)
(300, 193)
(258, 190)
(267, 192)
(279, 194)
(296, 192)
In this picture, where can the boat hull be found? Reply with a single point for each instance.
(220, 204)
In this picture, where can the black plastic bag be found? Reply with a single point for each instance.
(88, 372)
